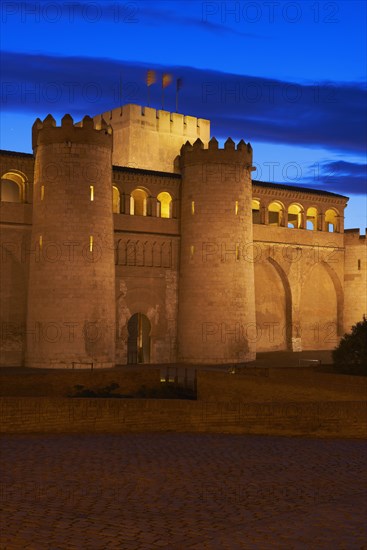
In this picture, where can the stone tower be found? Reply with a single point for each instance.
(216, 317)
(151, 139)
(71, 298)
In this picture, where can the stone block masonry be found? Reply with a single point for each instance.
(216, 297)
(159, 135)
(71, 296)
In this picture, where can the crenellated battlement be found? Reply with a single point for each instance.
(351, 235)
(46, 132)
(157, 120)
(196, 153)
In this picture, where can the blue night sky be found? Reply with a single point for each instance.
(290, 77)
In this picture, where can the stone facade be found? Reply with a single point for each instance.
(192, 261)
(355, 278)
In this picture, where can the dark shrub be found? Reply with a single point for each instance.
(350, 356)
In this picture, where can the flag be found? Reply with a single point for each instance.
(178, 84)
(151, 78)
(166, 80)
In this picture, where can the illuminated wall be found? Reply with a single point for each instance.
(151, 139)
(216, 266)
(71, 297)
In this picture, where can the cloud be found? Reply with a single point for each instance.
(126, 13)
(346, 177)
(172, 17)
(329, 115)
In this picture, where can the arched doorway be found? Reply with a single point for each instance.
(138, 343)
(273, 303)
(320, 325)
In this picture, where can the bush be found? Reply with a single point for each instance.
(165, 391)
(351, 354)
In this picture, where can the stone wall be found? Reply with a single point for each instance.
(59, 415)
(355, 278)
(299, 281)
(151, 139)
(146, 258)
(15, 234)
(216, 287)
(151, 291)
(15, 254)
(71, 295)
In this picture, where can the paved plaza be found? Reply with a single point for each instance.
(177, 491)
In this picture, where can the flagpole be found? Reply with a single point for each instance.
(178, 87)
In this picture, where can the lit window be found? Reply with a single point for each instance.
(236, 208)
(115, 200)
(91, 192)
(192, 251)
(331, 221)
(255, 206)
(311, 218)
(138, 202)
(192, 207)
(12, 187)
(91, 243)
(164, 205)
(294, 216)
(40, 241)
(275, 213)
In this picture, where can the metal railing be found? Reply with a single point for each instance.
(185, 377)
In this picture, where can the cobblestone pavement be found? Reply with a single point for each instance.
(177, 491)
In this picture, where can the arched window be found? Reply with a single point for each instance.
(13, 187)
(294, 216)
(311, 218)
(164, 205)
(331, 219)
(115, 200)
(276, 213)
(255, 205)
(138, 202)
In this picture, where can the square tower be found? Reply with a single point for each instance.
(151, 139)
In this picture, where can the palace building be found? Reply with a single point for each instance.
(133, 237)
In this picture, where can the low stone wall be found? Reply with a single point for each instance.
(62, 415)
(60, 383)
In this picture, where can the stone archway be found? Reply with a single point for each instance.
(273, 302)
(13, 187)
(138, 342)
(321, 308)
